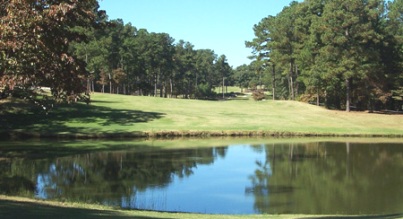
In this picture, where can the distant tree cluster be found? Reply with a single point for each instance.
(126, 60)
(342, 53)
(71, 47)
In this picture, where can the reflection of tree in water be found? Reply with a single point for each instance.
(272, 182)
(17, 182)
(109, 176)
(329, 178)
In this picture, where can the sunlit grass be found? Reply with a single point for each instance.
(16, 207)
(284, 116)
(112, 114)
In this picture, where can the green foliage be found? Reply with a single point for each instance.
(334, 50)
(72, 48)
(205, 91)
(35, 41)
(150, 64)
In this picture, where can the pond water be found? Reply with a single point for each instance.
(268, 177)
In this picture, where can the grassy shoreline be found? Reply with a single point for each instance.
(121, 116)
(20, 207)
(34, 208)
(180, 134)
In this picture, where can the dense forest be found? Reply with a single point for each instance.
(342, 54)
(124, 59)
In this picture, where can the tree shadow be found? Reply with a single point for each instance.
(57, 120)
(385, 216)
(20, 209)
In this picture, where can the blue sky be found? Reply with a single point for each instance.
(220, 25)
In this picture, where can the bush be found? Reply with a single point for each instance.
(258, 95)
(205, 91)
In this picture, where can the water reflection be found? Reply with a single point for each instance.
(329, 178)
(303, 178)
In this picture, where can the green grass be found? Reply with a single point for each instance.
(15, 207)
(11, 207)
(110, 115)
(229, 89)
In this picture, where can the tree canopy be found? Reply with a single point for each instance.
(127, 60)
(71, 47)
(35, 41)
(342, 53)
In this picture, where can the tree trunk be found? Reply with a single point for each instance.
(110, 83)
(197, 85)
(348, 94)
(155, 84)
(92, 85)
(296, 90)
(161, 89)
(291, 84)
(274, 82)
(165, 93)
(171, 87)
(223, 82)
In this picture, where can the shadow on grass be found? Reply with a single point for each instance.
(57, 120)
(14, 209)
(385, 216)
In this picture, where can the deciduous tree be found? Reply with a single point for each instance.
(35, 39)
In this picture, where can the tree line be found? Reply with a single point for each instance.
(340, 53)
(72, 47)
(126, 60)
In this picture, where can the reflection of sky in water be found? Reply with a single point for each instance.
(44, 183)
(45, 187)
(315, 178)
(211, 188)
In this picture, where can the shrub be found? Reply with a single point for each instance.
(258, 95)
(205, 91)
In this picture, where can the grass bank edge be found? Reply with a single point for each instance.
(23, 134)
(32, 209)
(27, 203)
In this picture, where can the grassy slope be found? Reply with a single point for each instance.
(15, 207)
(180, 115)
(118, 113)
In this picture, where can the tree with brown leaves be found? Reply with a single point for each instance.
(35, 36)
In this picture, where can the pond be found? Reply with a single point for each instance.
(245, 176)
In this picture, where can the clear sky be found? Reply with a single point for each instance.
(220, 25)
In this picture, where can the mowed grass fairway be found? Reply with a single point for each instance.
(110, 114)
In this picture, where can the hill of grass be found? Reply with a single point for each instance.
(121, 115)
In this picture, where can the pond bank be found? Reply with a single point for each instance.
(14, 135)
(17, 207)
